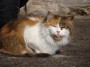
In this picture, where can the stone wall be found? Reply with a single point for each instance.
(60, 7)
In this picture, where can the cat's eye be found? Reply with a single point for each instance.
(62, 27)
(67, 27)
(53, 25)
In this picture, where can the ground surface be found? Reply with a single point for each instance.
(77, 54)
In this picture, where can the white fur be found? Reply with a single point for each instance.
(38, 37)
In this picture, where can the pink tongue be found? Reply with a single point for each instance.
(57, 35)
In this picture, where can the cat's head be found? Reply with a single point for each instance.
(58, 27)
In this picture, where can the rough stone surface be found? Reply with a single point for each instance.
(60, 7)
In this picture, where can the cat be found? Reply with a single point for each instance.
(36, 35)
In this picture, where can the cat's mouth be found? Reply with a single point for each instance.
(57, 37)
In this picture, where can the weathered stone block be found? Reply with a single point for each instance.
(60, 7)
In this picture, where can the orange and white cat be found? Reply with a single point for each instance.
(35, 35)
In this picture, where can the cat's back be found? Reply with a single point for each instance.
(20, 24)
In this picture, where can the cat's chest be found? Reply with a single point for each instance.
(34, 39)
(31, 33)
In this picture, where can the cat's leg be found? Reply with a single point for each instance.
(40, 54)
(21, 53)
(31, 52)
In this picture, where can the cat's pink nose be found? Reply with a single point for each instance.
(58, 31)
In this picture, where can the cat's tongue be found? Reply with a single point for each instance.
(57, 37)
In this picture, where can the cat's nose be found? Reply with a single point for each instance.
(58, 31)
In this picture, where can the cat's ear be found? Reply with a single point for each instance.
(70, 17)
(49, 17)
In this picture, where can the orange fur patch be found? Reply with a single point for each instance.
(27, 21)
(53, 22)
